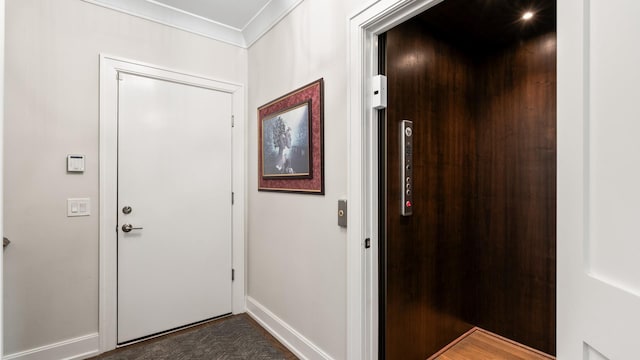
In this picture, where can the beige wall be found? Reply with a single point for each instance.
(52, 48)
(296, 251)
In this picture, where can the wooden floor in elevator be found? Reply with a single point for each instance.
(479, 344)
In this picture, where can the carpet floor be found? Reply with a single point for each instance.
(234, 338)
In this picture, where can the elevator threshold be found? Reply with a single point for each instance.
(479, 344)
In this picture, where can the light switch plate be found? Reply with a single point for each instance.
(78, 207)
(342, 213)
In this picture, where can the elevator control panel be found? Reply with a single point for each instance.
(406, 171)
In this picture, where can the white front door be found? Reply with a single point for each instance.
(598, 179)
(174, 191)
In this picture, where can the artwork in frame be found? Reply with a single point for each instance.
(290, 136)
(286, 144)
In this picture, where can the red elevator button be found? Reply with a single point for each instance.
(408, 204)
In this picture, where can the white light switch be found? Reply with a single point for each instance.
(78, 207)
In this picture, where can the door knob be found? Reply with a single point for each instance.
(129, 227)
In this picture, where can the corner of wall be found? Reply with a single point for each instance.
(287, 335)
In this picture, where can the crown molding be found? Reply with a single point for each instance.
(268, 17)
(260, 24)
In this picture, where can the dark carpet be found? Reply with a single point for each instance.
(233, 338)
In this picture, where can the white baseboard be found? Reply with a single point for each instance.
(288, 336)
(73, 349)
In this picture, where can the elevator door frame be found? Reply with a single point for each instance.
(364, 169)
(580, 324)
(362, 260)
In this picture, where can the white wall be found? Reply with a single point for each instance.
(52, 47)
(296, 251)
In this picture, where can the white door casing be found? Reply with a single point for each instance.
(1, 165)
(109, 68)
(598, 287)
(598, 176)
(174, 174)
(362, 264)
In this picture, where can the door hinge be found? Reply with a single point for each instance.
(233, 121)
(233, 195)
(233, 274)
(367, 243)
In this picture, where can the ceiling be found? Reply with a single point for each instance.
(485, 24)
(237, 22)
(241, 22)
(236, 14)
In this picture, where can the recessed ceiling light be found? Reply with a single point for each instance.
(527, 16)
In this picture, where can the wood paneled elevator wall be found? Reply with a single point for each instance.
(479, 249)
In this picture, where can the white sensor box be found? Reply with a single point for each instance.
(379, 92)
(75, 163)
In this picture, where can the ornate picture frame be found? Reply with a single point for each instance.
(290, 142)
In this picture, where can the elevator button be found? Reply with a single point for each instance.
(406, 171)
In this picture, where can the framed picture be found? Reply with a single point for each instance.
(286, 143)
(290, 136)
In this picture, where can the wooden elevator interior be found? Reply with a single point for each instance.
(479, 83)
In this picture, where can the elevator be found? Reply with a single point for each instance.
(477, 81)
